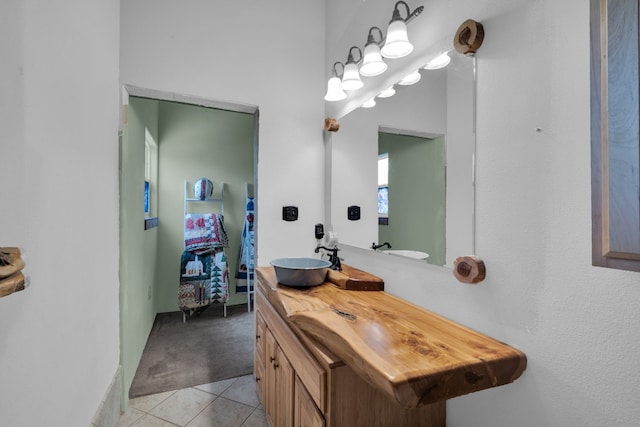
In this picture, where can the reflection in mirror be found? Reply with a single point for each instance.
(427, 132)
(415, 188)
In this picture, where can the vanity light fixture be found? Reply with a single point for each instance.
(397, 44)
(351, 78)
(438, 62)
(387, 93)
(369, 104)
(334, 91)
(372, 63)
(410, 79)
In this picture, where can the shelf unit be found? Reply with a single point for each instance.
(199, 307)
(248, 190)
(188, 200)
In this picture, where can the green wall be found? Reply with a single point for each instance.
(417, 191)
(198, 142)
(138, 247)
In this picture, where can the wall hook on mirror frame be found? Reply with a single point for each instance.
(331, 125)
(12, 279)
(469, 269)
(469, 37)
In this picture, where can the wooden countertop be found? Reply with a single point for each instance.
(413, 355)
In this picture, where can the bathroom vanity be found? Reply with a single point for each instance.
(326, 356)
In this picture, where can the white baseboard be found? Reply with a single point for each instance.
(108, 412)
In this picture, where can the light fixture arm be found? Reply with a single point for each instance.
(350, 57)
(335, 72)
(371, 39)
(410, 15)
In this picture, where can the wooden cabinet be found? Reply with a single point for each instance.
(279, 383)
(258, 356)
(303, 384)
(305, 411)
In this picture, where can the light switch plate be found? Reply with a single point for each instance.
(353, 213)
(290, 213)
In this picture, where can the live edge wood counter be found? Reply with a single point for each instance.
(412, 355)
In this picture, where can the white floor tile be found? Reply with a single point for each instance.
(243, 391)
(147, 403)
(182, 406)
(227, 403)
(217, 387)
(222, 413)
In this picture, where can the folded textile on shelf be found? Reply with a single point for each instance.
(204, 232)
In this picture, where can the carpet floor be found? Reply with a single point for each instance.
(204, 349)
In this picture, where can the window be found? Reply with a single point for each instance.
(383, 189)
(150, 179)
(615, 126)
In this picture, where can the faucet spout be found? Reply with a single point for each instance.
(334, 259)
(376, 247)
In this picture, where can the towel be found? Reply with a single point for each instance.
(246, 257)
(204, 232)
(219, 277)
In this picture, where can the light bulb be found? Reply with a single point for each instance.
(372, 64)
(351, 78)
(387, 93)
(410, 79)
(369, 104)
(438, 62)
(334, 91)
(397, 43)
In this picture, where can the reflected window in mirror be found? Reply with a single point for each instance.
(383, 189)
(416, 176)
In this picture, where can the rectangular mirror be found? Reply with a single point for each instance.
(427, 130)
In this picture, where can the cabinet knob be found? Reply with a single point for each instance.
(275, 365)
(258, 379)
(273, 359)
(258, 336)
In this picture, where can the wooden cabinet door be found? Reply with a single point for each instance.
(270, 385)
(279, 378)
(285, 380)
(306, 414)
(259, 357)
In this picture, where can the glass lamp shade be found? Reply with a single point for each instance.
(397, 44)
(334, 91)
(372, 64)
(438, 62)
(387, 93)
(410, 79)
(351, 78)
(369, 104)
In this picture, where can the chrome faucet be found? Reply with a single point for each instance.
(376, 247)
(333, 256)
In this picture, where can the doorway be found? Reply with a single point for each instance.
(195, 138)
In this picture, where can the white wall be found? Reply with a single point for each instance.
(58, 340)
(268, 54)
(58, 169)
(577, 324)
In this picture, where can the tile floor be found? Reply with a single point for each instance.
(227, 403)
